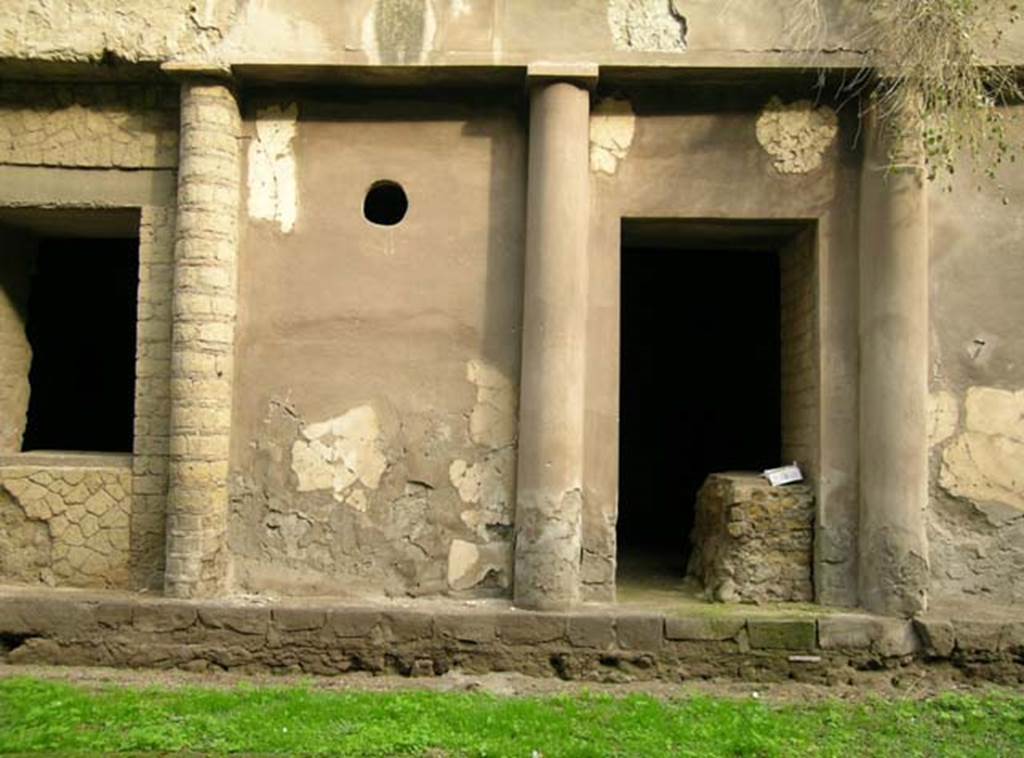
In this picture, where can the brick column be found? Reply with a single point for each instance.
(204, 306)
(549, 500)
(893, 542)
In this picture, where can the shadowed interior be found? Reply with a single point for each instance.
(699, 390)
(81, 324)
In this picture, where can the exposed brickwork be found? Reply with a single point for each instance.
(94, 125)
(204, 309)
(152, 396)
(800, 353)
(65, 525)
(15, 351)
(753, 542)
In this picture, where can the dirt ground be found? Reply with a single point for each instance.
(906, 684)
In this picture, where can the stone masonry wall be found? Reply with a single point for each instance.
(202, 363)
(126, 126)
(110, 127)
(65, 524)
(799, 353)
(152, 396)
(753, 542)
(15, 351)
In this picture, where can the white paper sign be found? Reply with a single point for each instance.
(783, 475)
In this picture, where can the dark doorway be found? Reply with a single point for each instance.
(699, 390)
(82, 311)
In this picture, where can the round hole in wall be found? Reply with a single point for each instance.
(385, 203)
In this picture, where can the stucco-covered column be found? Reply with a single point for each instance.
(549, 484)
(893, 542)
(204, 306)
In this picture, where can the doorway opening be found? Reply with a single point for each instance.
(81, 325)
(707, 321)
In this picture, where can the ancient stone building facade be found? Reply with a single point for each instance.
(383, 258)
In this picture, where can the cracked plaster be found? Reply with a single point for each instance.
(612, 127)
(339, 452)
(273, 188)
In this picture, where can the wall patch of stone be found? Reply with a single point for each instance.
(647, 25)
(91, 125)
(65, 526)
(985, 463)
(337, 453)
(273, 188)
(753, 542)
(796, 135)
(612, 127)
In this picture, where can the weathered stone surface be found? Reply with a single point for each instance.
(771, 634)
(76, 629)
(640, 632)
(753, 542)
(592, 631)
(703, 629)
(94, 126)
(796, 135)
(887, 637)
(66, 525)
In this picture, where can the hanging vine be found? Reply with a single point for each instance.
(933, 54)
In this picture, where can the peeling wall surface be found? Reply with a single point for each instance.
(377, 367)
(374, 371)
(977, 420)
(66, 525)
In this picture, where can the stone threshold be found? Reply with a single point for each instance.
(595, 643)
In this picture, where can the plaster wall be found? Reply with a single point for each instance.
(697, 154)
(377, 368)
(976, 522)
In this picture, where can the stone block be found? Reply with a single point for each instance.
(703, 629)
(249, 621)
(409, 626)
(592, 631)
(889, 637)
(782, 634)
(465, 627)
(520, 628)
(299, 619)
(753, 542)
(163, 617)
(640, 632)
(349, 623)
(937, 636)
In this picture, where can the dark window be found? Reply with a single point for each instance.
(82, 312)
